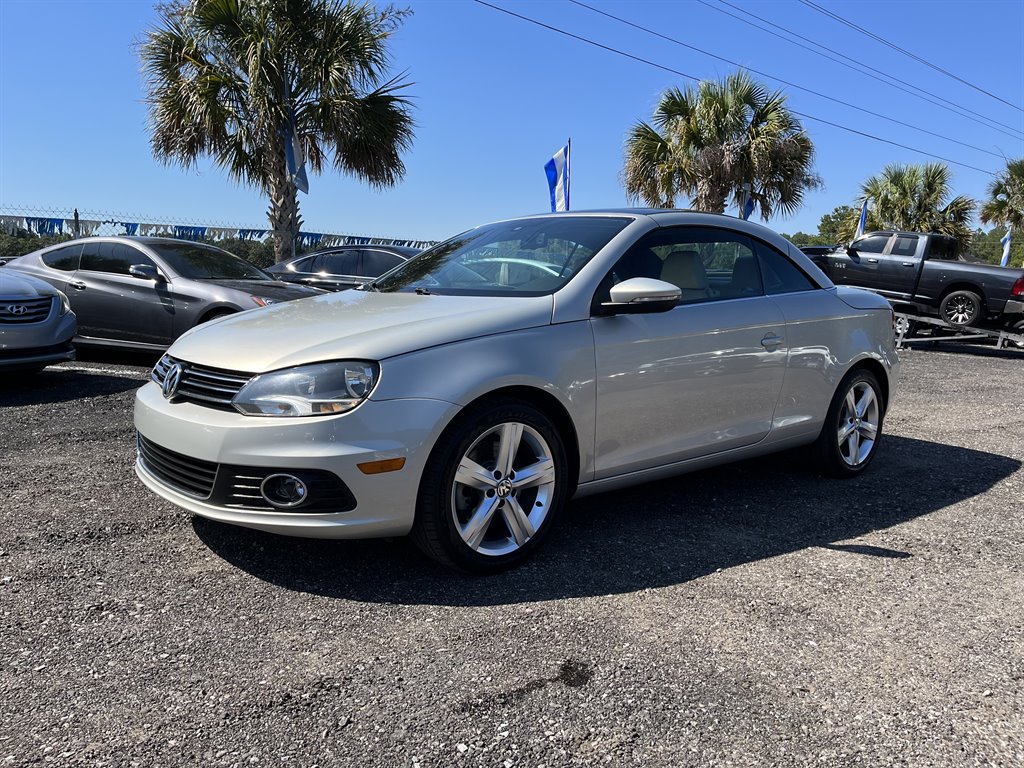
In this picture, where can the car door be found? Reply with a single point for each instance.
(859, 264)
(699, 379)
(111, 303)
(898, 267)
(340, 269)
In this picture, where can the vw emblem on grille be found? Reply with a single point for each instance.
(17, 309)
(173, 380)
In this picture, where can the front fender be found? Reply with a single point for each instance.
(558, 360)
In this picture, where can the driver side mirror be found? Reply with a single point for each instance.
(641, 295)
(146, 272)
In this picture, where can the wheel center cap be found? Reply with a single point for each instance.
(504, 488)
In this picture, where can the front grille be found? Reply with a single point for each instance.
(25, 311)
(183, 473)
(238, 487)
(202, 385)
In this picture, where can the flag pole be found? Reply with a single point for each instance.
(568, 171)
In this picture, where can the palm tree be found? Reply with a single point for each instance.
(916, 198)
(1005, 204)
(710, 141)
(225, 78)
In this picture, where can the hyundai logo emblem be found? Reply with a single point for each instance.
(17, 309)
(173, 380)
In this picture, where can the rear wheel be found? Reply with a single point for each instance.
(1018, 327)
(853, 426)
(492, 488)
(215, 316)
(961, 308)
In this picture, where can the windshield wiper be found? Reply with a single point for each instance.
(421, 291)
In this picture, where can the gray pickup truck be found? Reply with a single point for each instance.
(922, 274)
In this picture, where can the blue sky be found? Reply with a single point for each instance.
(496, 96)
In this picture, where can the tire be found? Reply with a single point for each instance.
(215, 316)
(909, 327)
(848, 443)
(1017, 327)
(961, 308)
(466, 511)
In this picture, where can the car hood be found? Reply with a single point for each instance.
(353, 325)
(18, 285)
(267, 289)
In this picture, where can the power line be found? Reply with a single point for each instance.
(697, 79)
(905, 52)
(864, 110)
(860, 68)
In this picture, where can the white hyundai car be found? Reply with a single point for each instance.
(467, 395)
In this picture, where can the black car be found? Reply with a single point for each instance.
(346, 266)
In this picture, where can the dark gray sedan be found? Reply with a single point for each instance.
(144, 292)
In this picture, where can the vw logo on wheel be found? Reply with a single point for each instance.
(173, 380)
(504, 488)
(17, 309)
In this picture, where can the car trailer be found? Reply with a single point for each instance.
(906, 323)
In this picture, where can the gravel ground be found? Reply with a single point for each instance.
(747, 616)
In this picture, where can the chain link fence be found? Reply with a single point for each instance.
(24, 229)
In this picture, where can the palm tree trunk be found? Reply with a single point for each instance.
(284, 205)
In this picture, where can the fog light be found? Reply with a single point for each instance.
(284, 491)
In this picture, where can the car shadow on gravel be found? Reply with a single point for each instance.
(59, 385)
(652, 535)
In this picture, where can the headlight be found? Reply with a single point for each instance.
(309, 390)
(259, 301)
(65, 305)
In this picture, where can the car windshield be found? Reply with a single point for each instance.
(204, 262)
(525, 257)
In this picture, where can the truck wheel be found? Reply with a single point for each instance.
(961, 308)
(905, 326)
(1018, 327)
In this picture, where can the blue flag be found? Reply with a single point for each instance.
(1006, 246)
(557, 170)
(294, 156)
(863, 220)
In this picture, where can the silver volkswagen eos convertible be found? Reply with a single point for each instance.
(467, 395)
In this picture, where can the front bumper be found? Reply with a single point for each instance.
(376, 430)
(36, 344)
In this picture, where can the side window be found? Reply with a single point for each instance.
(871, 244)
(340, 263)
(63, 258)
(303, 265)
(780, 274)
(706, 264)
(905, 245)
(112, 258)
(376, 263)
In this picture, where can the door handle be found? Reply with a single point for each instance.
(909, 263)
(771, 342)
(78, 285)
(872, 261)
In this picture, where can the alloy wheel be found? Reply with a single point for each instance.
(858, 424)
(503, 489)
(961, 310)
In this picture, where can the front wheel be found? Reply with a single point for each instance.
(492, 488)
(853, 426)
(1018, 327)
(961, 308)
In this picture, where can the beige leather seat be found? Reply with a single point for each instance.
(686, 270)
